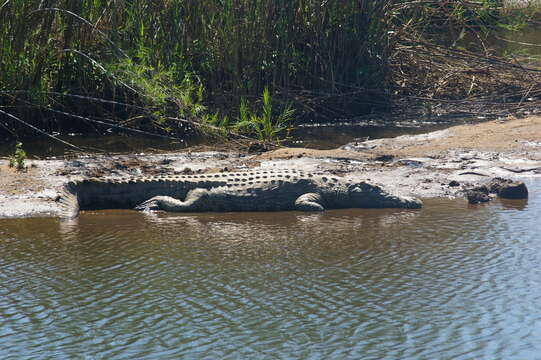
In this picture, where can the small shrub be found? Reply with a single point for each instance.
(266, 126)
(18, 159)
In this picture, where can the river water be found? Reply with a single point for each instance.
(449, 281)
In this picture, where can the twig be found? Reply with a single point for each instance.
(196, 124)
(109, 124)
(472, 173)
(517, 42)
(41, 131)
(94, 62)
(76, 96)
(521, 170)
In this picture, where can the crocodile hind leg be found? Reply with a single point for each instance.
(195, 201)
(309, 202)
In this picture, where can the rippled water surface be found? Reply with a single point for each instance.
(446, 282)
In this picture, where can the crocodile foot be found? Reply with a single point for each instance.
(149, 205)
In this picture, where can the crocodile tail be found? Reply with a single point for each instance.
(69, 201)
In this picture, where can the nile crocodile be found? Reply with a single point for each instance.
(229, 191)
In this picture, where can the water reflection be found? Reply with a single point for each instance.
(443, 282)
(513, 204)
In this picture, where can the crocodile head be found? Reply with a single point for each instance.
(365, 195)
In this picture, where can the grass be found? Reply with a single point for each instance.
(171, 66)
(17, 160)
(266, 125)
(138, 54)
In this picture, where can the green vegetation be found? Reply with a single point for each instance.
(173, 66)
(266, 126)
(19, 157)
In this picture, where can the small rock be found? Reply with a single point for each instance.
(508, 189)
(495, 185)
(384, 158)
(257, 147)
(454, 183)
(410, 162)
(514, 190)
(476, 197)
(76, 163)
(478, 194)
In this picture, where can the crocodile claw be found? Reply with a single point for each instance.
(148, 205)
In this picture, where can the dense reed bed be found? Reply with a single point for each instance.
(173, 65)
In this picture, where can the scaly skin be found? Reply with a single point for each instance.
(230, 191)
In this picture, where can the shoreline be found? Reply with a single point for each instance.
(440, 164)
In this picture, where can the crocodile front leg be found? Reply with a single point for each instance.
(194, 202)
(309, 202)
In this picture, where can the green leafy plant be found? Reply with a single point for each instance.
(18, 159)
(216, 125)
(162, 95)
(264, 125)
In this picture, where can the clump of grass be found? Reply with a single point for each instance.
(267, 126)
(18, 159)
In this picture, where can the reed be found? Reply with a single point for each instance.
(141, 63)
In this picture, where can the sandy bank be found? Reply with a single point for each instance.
(437, 164)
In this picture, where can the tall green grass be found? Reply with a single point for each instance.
(299, 49)
(143, 63)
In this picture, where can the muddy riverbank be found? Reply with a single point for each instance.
(438, 164)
